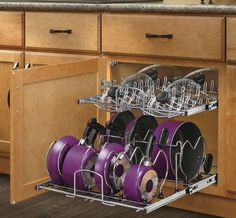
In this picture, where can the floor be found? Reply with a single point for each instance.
(56, 205)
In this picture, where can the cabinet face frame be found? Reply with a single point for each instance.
(230, 122)
(25, 84)
(218, 190)
(230, 39)
(8, 60)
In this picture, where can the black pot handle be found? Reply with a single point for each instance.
(93, 124)
(150, 146)
(91, 131)
(163, 138)
(208, 163)
(111, 125)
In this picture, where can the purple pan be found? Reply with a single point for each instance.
(83, 156)
(141, 180)
(108, 152)
(169, 137)
(114, 168)
(140, 130)
(118, 126)
(140, 183)
(79, 157)
(56, 155)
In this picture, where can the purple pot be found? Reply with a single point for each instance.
(116, 166)
(56, 156)
(83, 157)
(191, 159)
(108, 152)
(140, 183)
(79, 157)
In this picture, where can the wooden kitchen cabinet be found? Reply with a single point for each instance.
(44, 97)
(44, 108)
(7, 61)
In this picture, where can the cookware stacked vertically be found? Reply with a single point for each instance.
(137, 154)
(114, 159)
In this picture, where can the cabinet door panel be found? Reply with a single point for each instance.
(7, 60)
(44, 109)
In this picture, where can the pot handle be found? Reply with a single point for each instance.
(88, 129)
(111, 125)
(208, 163)
(163, 138)
(150, 145)
(91, 131)
(95, 130)
(93, 124)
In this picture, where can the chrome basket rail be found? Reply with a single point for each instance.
(159, 97)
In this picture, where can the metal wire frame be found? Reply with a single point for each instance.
(141, 91)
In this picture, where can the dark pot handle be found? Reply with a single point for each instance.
(208, 163)
(113, 126)
(163, 138)
(150, 146)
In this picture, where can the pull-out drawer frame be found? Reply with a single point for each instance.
(120, 201)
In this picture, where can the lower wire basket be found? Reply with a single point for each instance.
(194, 186)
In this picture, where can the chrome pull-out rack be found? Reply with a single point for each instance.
(159, 97)
(119, 200)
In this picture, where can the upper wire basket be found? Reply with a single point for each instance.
(160, 97)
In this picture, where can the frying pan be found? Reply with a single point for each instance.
(113, 161)
(117, 126)
(141, 129)
(141, 180)
(170, 137)
(56, 155)
(84, 155)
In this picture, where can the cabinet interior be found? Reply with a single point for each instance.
(206, 121)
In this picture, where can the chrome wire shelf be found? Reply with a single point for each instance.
(159, 97)
(112, 200)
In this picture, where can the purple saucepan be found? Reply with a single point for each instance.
(118, 126)
(141, 180)
(79, 157)
(170, 136)
(116, 166)
(140, 183)
(56, 155)
(108, 152)
(83, 156)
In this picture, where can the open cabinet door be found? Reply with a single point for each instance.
(44, 108)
